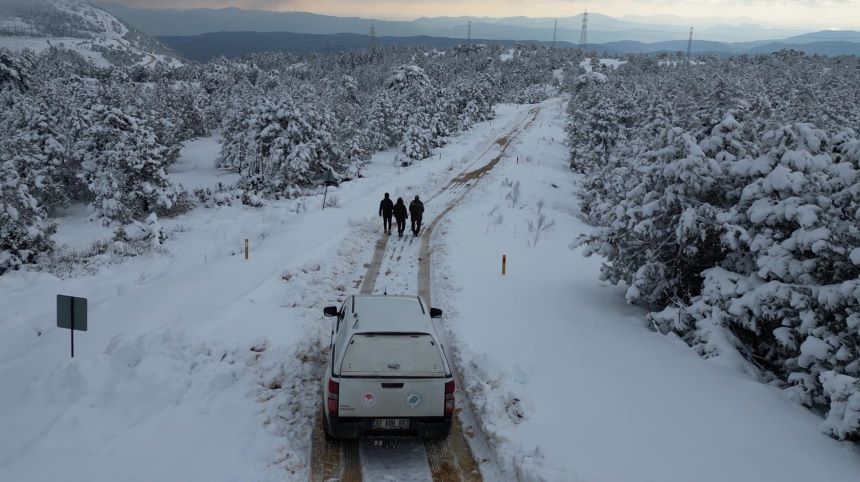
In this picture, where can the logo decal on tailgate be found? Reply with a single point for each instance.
(413, 400)
(368, 399)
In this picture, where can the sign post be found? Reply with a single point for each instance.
(330, 180)
(72, 315)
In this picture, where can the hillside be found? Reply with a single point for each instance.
(95, 34)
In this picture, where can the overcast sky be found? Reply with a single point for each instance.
(818, 13)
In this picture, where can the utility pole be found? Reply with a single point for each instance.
(583, 35)
(469, 33)
(690, 46)
(372, 39)
(554, 31)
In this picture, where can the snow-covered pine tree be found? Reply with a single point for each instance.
(25, 231)
(36, 146)
(416, 112)
(293, 142)
(124, 167)
(14, 71)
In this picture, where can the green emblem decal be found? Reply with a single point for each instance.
(413, 400)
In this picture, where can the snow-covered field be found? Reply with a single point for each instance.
(39, 44)
(200, 365)
(614, 63)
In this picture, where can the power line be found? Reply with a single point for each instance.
(690, 45)
(469, 33)
(583, 36)
(554, 30)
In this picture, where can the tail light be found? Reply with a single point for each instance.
(449, 397)
(333, 392)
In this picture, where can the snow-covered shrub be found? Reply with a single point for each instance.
(221, 196)
(533, 94)
(843, 420)
(253, 200)
(514, 194)
(734, 218)
(332, 201)
(539, 224)
(183, 202)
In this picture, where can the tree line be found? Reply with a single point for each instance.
(726, 196)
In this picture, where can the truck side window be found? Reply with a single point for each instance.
(340, 316)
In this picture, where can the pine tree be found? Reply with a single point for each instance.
(25, 232)
(124, 167)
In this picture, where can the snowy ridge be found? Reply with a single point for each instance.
(98, 36)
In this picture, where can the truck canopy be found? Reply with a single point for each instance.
(392, 355)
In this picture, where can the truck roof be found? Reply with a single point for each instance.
(390, 314)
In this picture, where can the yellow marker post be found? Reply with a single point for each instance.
(504, 262)
(246, 248)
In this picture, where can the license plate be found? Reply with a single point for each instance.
(391, 423)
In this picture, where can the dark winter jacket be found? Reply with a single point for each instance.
(416, 209)
(400, 211)
(386, 207)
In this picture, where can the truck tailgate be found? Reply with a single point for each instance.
(389, 398)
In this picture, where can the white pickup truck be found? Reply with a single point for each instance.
(387, 373)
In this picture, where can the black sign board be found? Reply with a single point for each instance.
(330, 179)
(72, 315)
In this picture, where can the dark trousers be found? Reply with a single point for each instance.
(416, 225)
(386, 223)
(401, 225)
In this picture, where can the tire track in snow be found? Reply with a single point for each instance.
(449, 460)
(456, 451)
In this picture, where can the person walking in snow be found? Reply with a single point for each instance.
(416, 210)
(386, 209)
(400, 215)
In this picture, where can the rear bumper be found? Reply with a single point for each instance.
(354, 427)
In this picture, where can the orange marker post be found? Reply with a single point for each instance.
(504, 263)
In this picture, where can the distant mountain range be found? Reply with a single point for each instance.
(122, 35)
(236, 44)
(601, 28)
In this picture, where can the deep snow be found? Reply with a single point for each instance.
(200, 365)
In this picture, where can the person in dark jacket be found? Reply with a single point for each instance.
(416, 210)
(386, 209)
(400, 216)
